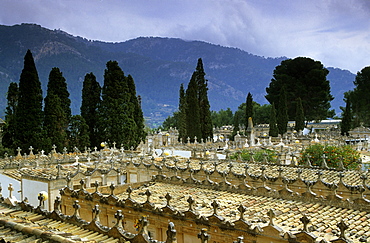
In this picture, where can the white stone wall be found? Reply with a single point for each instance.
(31, 190)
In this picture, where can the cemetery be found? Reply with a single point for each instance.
(173, 191)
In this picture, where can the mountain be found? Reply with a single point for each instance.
(158, 66)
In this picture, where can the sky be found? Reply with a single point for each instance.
(337, 33)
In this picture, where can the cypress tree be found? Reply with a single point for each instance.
(182, 114)
(193, 128)
(299, 118)
(137, 132)
(57, 110)
(8, 139)
(79, 133)
(29, 115)
(346, 123)
(248, 109)
(57, 85)
(282, 115)
(54, 122)
(273, 128)
(204, 106)
(114, 119)
(90, 107)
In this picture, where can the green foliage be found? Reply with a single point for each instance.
(360, 98)
(334, 154)
(89, 107)
(180, 116)
(79, 133)
(273, 128)
(222, 117)
(299, 117)
(306, 79)
(29, 115)
(192, 111)
(261, 155)
(282, 112)
(346, 124)
(9, 134)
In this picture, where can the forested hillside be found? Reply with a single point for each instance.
(158, 66)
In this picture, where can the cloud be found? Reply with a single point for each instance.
(334, 32)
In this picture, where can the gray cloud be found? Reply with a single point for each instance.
(334, 32)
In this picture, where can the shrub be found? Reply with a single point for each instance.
(333, 155)
(258, 155)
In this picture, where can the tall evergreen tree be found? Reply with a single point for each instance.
(8, 139)
(273, 128)
(57, 85)
(114, 118)
(282, 112)
(193, 127)
(346, 123)
(138, 134)
(182, 114)
(79, 133)
(90, 107)
(29, 115)
(206, 125)
(57, 110)
(299, 117)
(249, 109)
(54, 123)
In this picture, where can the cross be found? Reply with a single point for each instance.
(76, 206)
(31, 148)
(114, 145)
(112, 187)
(191, 203)
(11, 189)
(305, 220)
(96, 185)
(129, 191)
(271, 215)
(57, 203)
(42, 152)
(54, 147)
(96, 212)
(65, 150)
(41, 200)
(95, 149)
(171, 233)
(148, 194)
(343, 227)
(77, 158)
(59, 170)
(215, 206)
(203, 236)
(168, 198)
(242, 209)
(19, 151)
(82, 183)
(119, 216)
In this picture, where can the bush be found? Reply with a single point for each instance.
(333, 156)
(258, 155)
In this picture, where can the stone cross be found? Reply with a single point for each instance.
(215, 205)
(77, 158)
(171, 233)
(242, 209)
(42, 152)
(59, 170)
(96, 185)
(31, 148)
(271, 215)
(57, 203)
(114, 145)
(343, 227)
(168, 198)
(203, 236)
(148, 194)
(41, 199)
(19, 151)
(76, 207)
(54, 147)
(119, 216)
(305, 220)
(112, 187)
(96, 212)
(191, 203)
(129, 191)
(11, 189)
(82, 183)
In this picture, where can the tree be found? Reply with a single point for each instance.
(206, 125)
(9, 137)
(90, 107)
(346, 123)
(79, 133)
(181, 121)
(306, 79)
(193, 128)
(249, 109)
(282, 112)
(273, 128)
(29, 115)
(120, 115)
(299, 117)
(57, 110)
(54, 123)
(360, 98)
